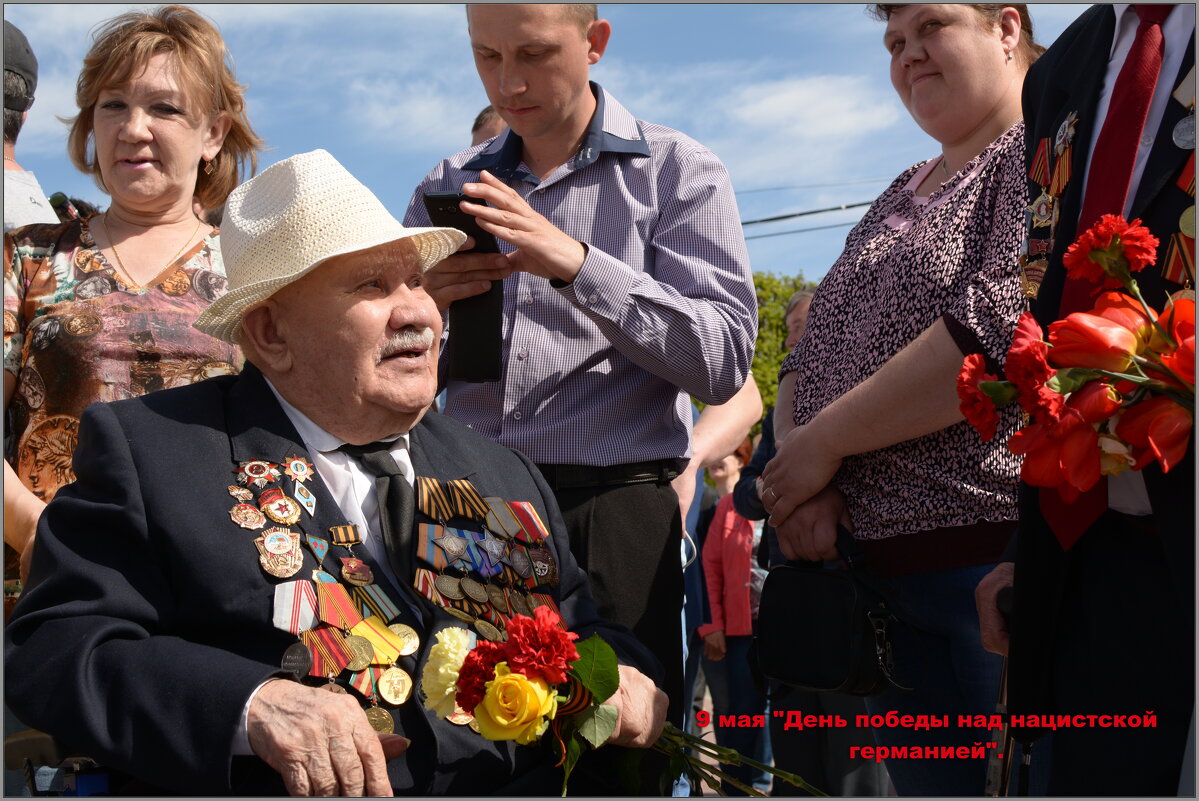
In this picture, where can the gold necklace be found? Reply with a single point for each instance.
(112, 243)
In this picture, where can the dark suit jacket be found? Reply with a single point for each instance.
(1069, 77)
(147, 622)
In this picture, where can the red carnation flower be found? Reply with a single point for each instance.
(1028, 368)
(976, 405)
(538, 646)
(1110, 250)
(477, 669)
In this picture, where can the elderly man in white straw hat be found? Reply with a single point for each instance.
(242, 569)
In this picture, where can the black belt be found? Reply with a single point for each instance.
(574, 476)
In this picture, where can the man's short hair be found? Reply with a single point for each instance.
(14, 85)
(582, 13)
(485, 116)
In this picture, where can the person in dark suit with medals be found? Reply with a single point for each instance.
(1104, 588)
(240, 590)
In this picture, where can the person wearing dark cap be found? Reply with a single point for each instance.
(24, 200)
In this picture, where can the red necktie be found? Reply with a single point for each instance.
(1108, 178)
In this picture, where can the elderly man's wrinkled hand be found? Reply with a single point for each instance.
(464, 275)
(320, 742)
(641, 707)
(991, 622)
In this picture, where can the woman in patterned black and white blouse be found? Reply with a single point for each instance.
(870, 431)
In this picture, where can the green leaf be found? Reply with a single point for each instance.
(596, 667)
(574, 749)
(597, 724)
(1001, 393)
(1070, 379)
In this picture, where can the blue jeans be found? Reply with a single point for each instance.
(734, 693)
(938, 652)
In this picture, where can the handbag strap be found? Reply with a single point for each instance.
(855, 561)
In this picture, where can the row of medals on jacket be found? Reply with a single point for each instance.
(1043, 212)
(280, 556)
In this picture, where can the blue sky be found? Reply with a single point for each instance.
(795, 99)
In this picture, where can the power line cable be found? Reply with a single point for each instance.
(853, 182)
(842, 207)
(803, 230)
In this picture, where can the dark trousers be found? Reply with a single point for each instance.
(627, 538)
(1124, 645)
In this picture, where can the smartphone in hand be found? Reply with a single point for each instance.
(475, 345)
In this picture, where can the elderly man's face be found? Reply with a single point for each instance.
(363, 334)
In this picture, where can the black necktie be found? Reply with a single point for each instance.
(395, 503)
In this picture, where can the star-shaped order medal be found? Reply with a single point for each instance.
(257, 471)
(298, 468)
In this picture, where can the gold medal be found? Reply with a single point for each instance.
(448, 586)
(409, 639)
(282, 509)
(395, 685)
(247, 516)
(380, 720)
(495, 594)
(459, 717)
(458, 613)
(472, 589)
(1186, 223)
(362, 653)
(280, 563)
(489, 631)
(356, 572)
(277, 541)
(474, 725)
(240, 493)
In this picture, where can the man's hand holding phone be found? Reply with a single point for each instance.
(541, 248)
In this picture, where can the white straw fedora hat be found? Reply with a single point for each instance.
(290, 218)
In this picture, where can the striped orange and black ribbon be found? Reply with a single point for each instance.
(467, 500)
(433, 499)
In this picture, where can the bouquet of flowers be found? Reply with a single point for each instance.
(1112, 389)
(544, 679)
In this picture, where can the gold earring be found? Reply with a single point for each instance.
(209, 168)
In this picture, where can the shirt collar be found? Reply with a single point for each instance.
(612, 130)
(315, 438)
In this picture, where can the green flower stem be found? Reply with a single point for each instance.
(729, 756)
(1131, 285)
(1156, 364)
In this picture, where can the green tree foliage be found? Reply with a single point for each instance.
(773, 293)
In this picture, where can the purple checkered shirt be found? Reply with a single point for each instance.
(598, 371)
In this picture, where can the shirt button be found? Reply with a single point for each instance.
(516, 415)
(1146, 141)
(522, 354)
(592, 298)
(528, 300)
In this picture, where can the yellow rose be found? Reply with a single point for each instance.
(440, 677)
(515, 707)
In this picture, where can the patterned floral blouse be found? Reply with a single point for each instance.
(909, 262)
(75, 333)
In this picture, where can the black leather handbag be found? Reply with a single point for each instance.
(825, 630)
